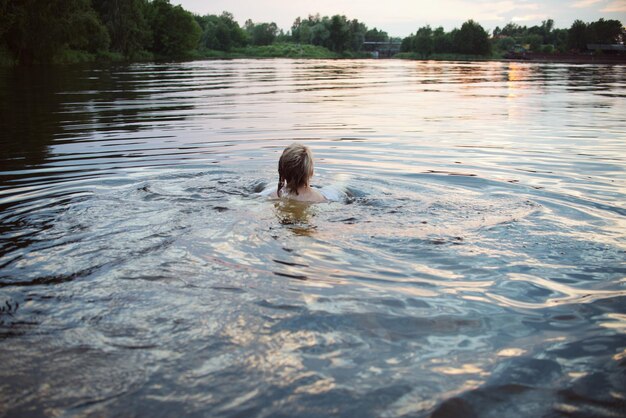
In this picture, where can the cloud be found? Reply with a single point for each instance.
(526, 18)
(500, 10)
(371, 11)
(458, 10)
(401, 17)
(615, 6)
(584, 3)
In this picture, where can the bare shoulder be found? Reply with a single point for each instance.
(309, 196)
(317, 197)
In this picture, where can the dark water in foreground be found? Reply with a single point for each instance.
(473, 265)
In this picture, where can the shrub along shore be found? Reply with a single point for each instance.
(76, 31)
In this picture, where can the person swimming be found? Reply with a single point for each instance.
(295, 169)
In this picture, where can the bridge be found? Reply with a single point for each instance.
(385, 49)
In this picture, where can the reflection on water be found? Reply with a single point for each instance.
(470, 263)
(296, 215)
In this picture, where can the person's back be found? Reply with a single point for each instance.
(295, 169)
(308, 194)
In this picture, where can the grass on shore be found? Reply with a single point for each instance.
(70, 56)
(278, 50)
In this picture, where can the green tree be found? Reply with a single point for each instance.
(87, 32)
(535, 42)
(295, 30)
(577, 37)
(506, 43)
(238, 35)
(513, 29)
(472, 39)
(39, 30)
(357, 35)
(305, 34)
(560, 39)
(282, 36)
(217, 36)
(535, 30)
(175, 31)
(547, 26)
(320, 33)
(339, 34)
(126, 24)
(261, 33)
(423, 43)
(301, 31)
(605, 31)
(407, 43)
(336, 33)
(312, 30)
(221, 33)
(442, 42)
(375, 35)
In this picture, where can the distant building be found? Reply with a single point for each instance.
(608, 48)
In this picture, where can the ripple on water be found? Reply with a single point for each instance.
(469, 262)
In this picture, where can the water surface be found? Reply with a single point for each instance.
(472, 264)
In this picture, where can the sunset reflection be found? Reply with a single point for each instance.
(471, 255)
(517, 74)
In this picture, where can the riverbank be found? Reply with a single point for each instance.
(445, 57)
(277, 50)
(589, 58)
(526, 57)
(307, 51)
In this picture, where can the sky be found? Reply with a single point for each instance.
(403, 17)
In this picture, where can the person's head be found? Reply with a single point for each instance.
(295, 168)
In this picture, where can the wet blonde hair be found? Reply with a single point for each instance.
(295, 168)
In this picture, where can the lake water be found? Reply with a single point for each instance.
(472, 264)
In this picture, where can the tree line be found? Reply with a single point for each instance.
(33, 31)
(473, 39)
(337, 33)
(470, 39)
